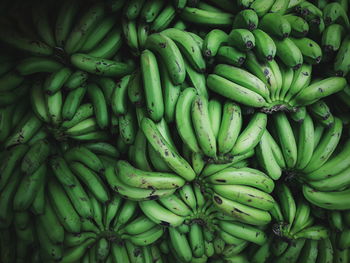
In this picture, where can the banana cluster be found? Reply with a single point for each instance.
(174, 131)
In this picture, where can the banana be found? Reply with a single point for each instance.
(188, 196)
(341, 63)
(100, 66)
(35, 156)
(245, 195)
(261, 7)
(312, 52)
(299, 27)
(207, 18)
(247, 19)
(77, 252)
(160, 215)
(139, 225)
(55, 81)
(337, 164)
(61, 204)
(171, 95)
(100, 105)
(10, 80)
(152, 85)
(54, 104)
(243, 78)
(142, 34)
(305, 143)
(170, 54)
(133, 193)
(279, 6)
(329, 200)
(72, 102)
(292, 253)
(301, 80)
(241, 212)
(344, 239)
(166, 151)
(147, 180)
(309, 11)
(141, 158)
(119, 253)
(201, 123)
(234, 91)
(326, 251)
(52, 250)
(64, 21)
(7, 194)
(243, 176)
(332, 37)
(132, 9)
(109, 46)
(150, 10)
(334, 13)
(325, 148)
(213, 41)
(32, 65)
(76, 79)
(99, 32)
(135, 91)
(127, 130)
(322, 113)
(267, 159)
(288, 205)
(85, 156)
(196, 80)
(316, 232)
(125, 214)
(242, 39)
(244, 231)
(251, 135)
(196, 239)
(85, 25)
(332, 183)
(276, 25)
(187, 46)
(119, 96)
(230, 127)
(26, 129)
(24, 43)
(264, 45)
(230, 55)
(164, 19)
(289, 53)
(91, 180)
(130, 35)
(146, 238)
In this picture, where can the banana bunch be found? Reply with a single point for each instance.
(214, 130)
(296, 148)
(242, 194)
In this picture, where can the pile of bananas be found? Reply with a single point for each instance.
(170, 131)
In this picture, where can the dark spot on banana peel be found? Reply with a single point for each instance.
(217, 200)
(162, 45)
(153, 197)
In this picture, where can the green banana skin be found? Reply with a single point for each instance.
(251, 135)
(138, 178)
(332, 37)
(10, 81)
(230, 127)
(311, 51)
(171, 157)
(196, 80)
(299, 27)
(75, 80)
(101, 67)
(150, 10)
(327, 200)
(213, 41)
(241, 39)
(230, 55)
(341, 65)
(275, 24)
(247, 19)
(201, 119)
(35, 156)
(289, 53)
(152, 85)
(203, 17)
(83, 112)
(292, 252)
(264, 45)
(72, 102)
(56, 80)
(109, 46)
(243, 78)
(234, 91)
(188, 47)
(80, 32)
(170, 54)
(31, 65)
